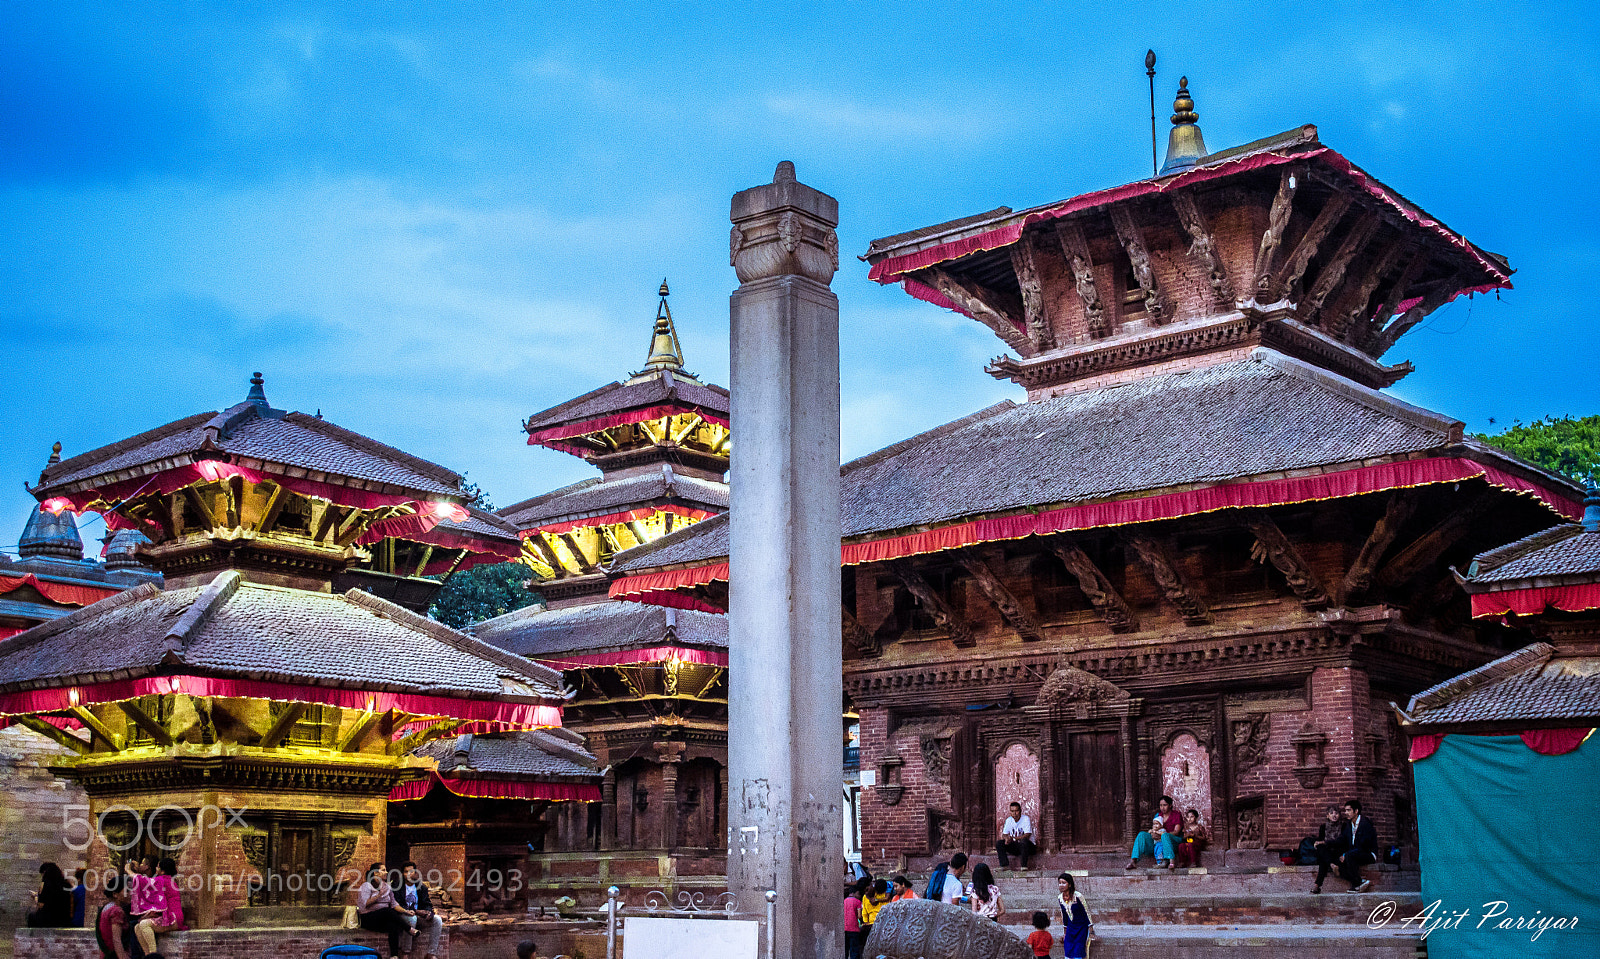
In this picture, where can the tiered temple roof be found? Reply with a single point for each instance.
(1281, 242)
(287, 494)
(249, 671)
(661, 441)
(1268, 430)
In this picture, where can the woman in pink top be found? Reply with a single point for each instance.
(138, 871)
(165, 906)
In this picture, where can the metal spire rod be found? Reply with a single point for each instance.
(1150, 71)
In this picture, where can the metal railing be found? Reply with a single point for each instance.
(690, 905)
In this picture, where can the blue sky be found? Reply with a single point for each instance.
(430, 220)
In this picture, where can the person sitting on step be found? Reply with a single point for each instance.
(1161, 840)
(1016, 838)
(1195, 838)
(1356, 846)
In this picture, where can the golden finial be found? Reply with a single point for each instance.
(1183, 105)
(1185, 145)
(665, 353)
(55, 453)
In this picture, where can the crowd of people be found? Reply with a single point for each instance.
(1346, 842)
(865, 897)
(142, 902)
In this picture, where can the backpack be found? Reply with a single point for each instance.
(1307, 853)
(349, 951)
(936, 882)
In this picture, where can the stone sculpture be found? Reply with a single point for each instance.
(924, 929)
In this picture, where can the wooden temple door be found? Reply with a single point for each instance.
(295, 859)
(1089, 787)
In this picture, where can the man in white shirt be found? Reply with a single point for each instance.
(1016, 838)
(952, 879)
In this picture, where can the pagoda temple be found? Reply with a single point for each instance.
(244, 716)
(661, 442)
(650, 683)
(1204, 551)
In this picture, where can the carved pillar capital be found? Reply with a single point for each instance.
(784, 228)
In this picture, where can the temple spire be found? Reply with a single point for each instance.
(665, 353)
(258, 392)
(1185, 146)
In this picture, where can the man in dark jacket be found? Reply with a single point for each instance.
(411, 899)
(1356, 846)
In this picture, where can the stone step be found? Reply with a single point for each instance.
(1347, 909)
(1114, 941)
(1276, 879)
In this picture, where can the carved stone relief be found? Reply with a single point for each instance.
(1016, 779)
(1249, 736)
(1252, 825)
(936, 759)
(926, 929)
(1309, 766)
(1069, 685)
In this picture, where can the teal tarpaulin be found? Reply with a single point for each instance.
(1510, 843)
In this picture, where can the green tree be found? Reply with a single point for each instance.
(483, 592)
(1564, 444)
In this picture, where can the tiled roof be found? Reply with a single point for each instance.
(1531, 684)
(483, 524)
(231, 628)
(250, 432)
(1565, 551)
(1269, 414)
(606, 626)
(705, 540)
(598, 497)
(657, 389)
(531, 755)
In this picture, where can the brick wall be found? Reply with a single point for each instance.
(32, 805)
(1341, 710)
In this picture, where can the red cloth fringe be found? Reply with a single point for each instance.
(656, 587)
(1531, 602)
(64, 593)
(514, 715)
(1424, 745)
(496, 789)
(1545, 742)
(1555, 742)
(643, 512)
(547, 437)
(207, 471)
(655, 654)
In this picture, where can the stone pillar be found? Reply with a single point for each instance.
(785, 811)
